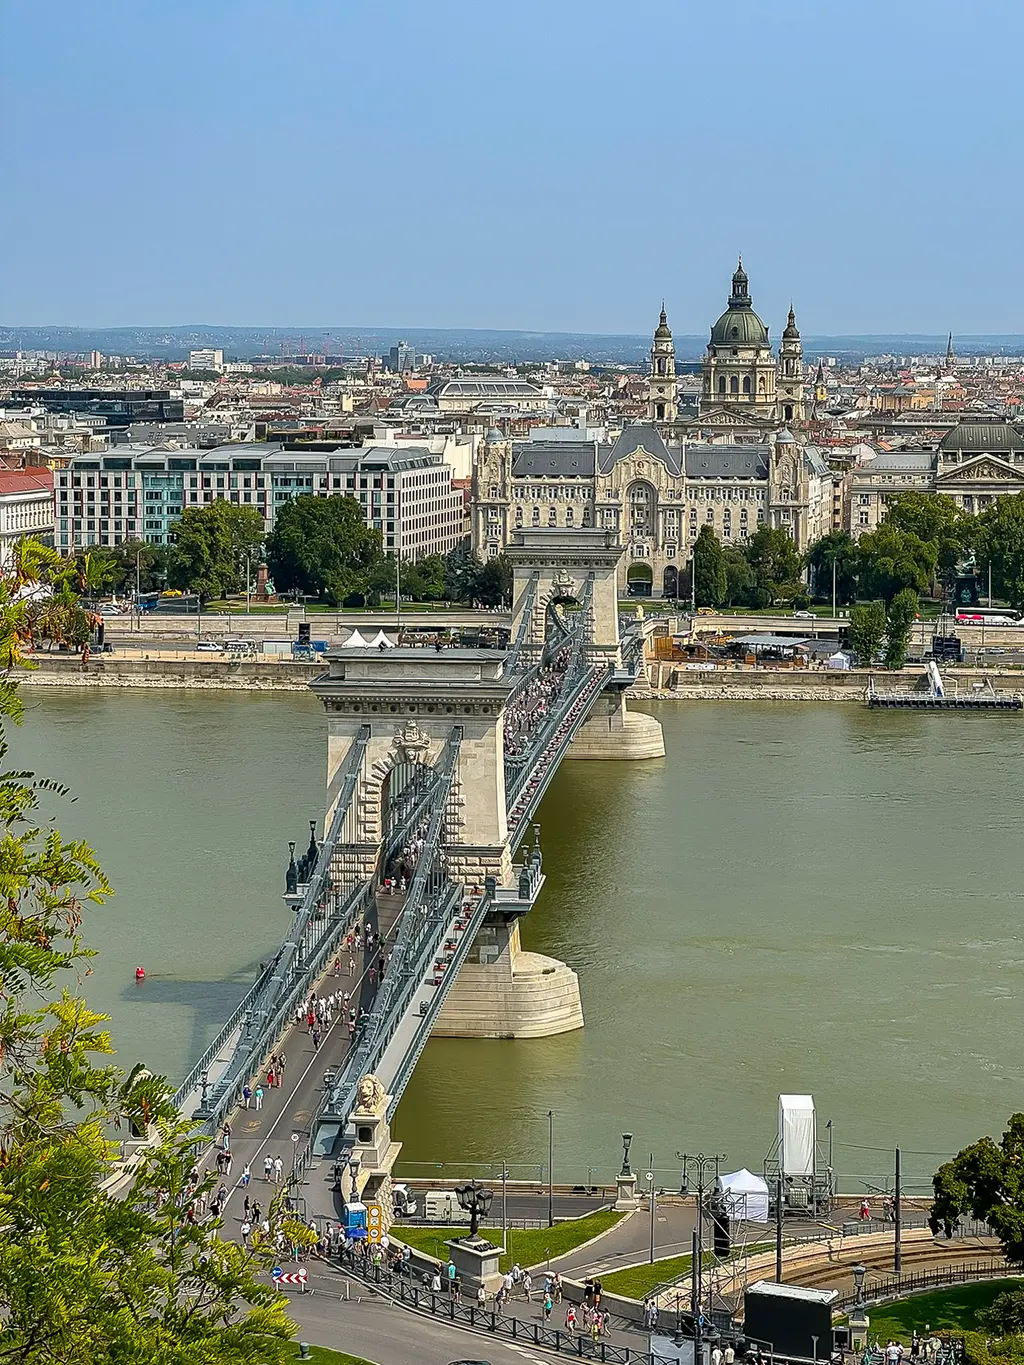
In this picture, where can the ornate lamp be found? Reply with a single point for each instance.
(627, 1138)
(476, 1201)
(353, 1167)
(859, 1272)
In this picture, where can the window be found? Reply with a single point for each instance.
(536, 516)
(746, 383)
(865, 519)
(553, 516)
(734, 384)
(721, 383)
(519, 516)
(569, 516)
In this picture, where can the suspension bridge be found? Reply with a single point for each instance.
(437, 763)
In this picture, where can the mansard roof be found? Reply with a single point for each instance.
(727, 462)
(640, 437)
(554, 459)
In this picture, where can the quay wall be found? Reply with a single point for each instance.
(105, 670)
(669, 682)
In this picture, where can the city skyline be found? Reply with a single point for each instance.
(555, 172)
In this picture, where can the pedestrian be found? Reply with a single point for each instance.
(225, 1136)
(527, 1287)
(570, 1321)
(337, 966)
(351, 966)
(310, 1019)
(246, 1229)
(259, 1098)
(245, 1206)
(915, 1346)
(435, 1283)
(546, 1310)
(729, 1355)
(278, 1168)
(246, 1177)
(246, 1096)
(268, 1166)
(281, 1059)
(316, 1038)
(270, 1079)
(481, 1297)
(451, 1271)
(716, 1355)
(558, 1287)
(597, 1293)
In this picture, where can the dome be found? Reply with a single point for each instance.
(493, 436)
(663, 332)
(739, 325)
(791, 332)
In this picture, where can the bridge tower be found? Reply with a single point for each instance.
(554, 565)
(410, 700)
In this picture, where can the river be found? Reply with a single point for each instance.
(798, 898)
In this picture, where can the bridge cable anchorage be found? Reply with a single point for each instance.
(320, 921)
(433, 915)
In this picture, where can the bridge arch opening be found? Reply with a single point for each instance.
(639, 580)
(670, 582)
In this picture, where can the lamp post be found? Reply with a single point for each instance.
(699, 1163)
(353, 1169)
(860, 1323)
(476, 1201)
(859, 1272)
(627, 1138)
(551, 1178)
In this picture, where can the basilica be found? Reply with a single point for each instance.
(736, 467)
(745, 391)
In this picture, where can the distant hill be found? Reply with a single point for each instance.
(479, 345)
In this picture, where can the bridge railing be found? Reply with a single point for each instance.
(513, 657)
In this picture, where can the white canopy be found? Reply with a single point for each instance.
(355, 641)
(744, 1196)
(796, 1135)
(381, 639)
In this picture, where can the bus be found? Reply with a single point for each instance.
(987, 616)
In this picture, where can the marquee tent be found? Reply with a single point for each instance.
(744, 1196)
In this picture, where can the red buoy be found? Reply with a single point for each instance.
(140, 974)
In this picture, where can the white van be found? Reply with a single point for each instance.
(442, 1206)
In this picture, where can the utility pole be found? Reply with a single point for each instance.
(650, 1183)
(833, 585)
(551, 1158)
(897, 1258)
(778, 1230)
(700, 1163)
(504, 1204)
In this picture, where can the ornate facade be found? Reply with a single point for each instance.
(745, 392)
(654, 495)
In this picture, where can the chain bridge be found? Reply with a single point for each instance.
(437, 762)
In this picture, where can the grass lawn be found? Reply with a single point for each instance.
(637, 1281)
(528, 1246)
(954, 1309)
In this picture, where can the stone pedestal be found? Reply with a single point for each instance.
(859, 1324)
(476, 1263)
(612, 732)
(625, 1193)
(503, 992)
(373, 1147)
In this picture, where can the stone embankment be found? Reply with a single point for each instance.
(215, 674)
(669, 682)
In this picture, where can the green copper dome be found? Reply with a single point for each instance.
(739, 325)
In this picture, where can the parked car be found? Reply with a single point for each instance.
(207, 646)
(804, 615)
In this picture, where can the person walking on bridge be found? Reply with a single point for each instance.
(259, 1098)
(280, 1067)
(268, 1166)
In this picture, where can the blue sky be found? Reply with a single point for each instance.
(555, 165)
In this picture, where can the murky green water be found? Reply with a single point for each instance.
(797, 898)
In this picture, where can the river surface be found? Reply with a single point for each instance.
(799, 898)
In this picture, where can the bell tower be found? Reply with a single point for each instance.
(662, 384)
(790, 387)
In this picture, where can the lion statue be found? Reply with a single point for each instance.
(370, 1095)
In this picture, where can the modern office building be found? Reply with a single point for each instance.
(137, 493)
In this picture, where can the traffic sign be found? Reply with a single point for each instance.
(293, 1277)
(374, 1223)
(276, 1272)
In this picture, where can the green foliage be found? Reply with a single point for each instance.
(529, 1246)
(87, 1278)
(899, 621)
(493, 586)
(775, 564)
(958, 1309)
(985, 1181)
(867, 631)
(1005, 1314)
(210, 545)
(739, 577)
(425, 580)
(321, 547)
(838, 548)
(1000, 543)
(893, 559)
(709, 573)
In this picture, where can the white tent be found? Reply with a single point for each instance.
(839, 661)
(796, 1135)
(381, 639)
(744, 1196)
(355, 641)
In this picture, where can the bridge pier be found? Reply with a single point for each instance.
(614, 732)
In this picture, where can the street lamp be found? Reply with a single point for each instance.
(353, 1169)
(859, 1272)
(476, 1201)
(627, 1138)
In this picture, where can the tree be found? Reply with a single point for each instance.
(1000, 541)
(140, 564)
(867, 631)
(934, 518)
(1004, 1315)
(210, 547)
(986, 1182)
(775, 562)
(462, 574)
(494, 583)
(709, 574)
(323, 548)
(900, 619)
(838, 549)
(424, 581)
(892, 559)
(88, 1278)
(739, 577)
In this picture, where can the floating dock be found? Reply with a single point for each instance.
(922, 701)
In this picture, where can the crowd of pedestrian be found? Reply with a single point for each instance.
(532, 705)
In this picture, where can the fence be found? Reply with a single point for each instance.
(897, 1286)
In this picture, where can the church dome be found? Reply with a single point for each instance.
(791, 332)
(739, 325)
(663, 332)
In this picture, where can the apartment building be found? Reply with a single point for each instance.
(26, 508)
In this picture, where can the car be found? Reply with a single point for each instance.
(803, 615)
(207, 646)
(469, 1362)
